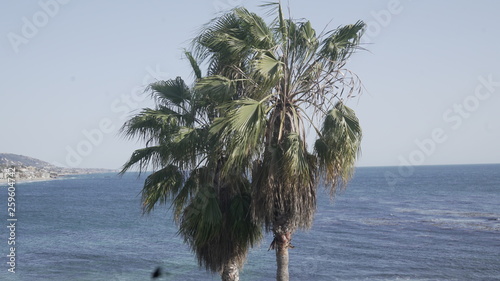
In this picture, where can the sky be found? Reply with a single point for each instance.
(72, 72)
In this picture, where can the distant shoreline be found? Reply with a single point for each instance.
(38, 179)
(5, 181)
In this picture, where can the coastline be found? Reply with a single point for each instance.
(4, 182)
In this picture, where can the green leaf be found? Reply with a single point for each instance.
(160, 186)
(171, 91)
(268, 66)
(339, 145)
(341, 43)
(194, 64)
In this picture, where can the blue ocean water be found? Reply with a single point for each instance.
(429, 223)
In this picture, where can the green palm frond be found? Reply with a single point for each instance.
(242, 227)
(147, 126)
(268, 66)
(341, 43)
(209, 223)
(258, 33)
(145, 157)
(306, 36)
(242, 128)
(221, 42)
(204, 216)
(194, 64)
(216, 89)
(281, 199)
(185, 146)
(151, 122)
(296, 158)
(304, 45)
(282, 26)
(161, 186)
(193, 183)
(207, 42)
(173, 91)
(339, 145)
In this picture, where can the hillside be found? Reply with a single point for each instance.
(8, 159)
(32, 168)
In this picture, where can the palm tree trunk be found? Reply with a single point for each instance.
(282, 261)
(230, 272)
(282, 243)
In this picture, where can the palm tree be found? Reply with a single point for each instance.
(212, 209)
(289, 81)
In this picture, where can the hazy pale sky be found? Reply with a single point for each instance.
(72, 72)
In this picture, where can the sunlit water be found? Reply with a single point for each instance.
(439, 223)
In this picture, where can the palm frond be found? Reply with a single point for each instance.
(242, 228)
(149, 124)
(194, 64)
(259, 35)
(341, 43)
(173, 91)
(161, 186)
(216, 89)
(339, 145)
(186, 145)
(243, 129)
(283, 201)
(144, 157)
(268, 66)
(296, 158)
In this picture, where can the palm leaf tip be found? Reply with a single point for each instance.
(194, 64)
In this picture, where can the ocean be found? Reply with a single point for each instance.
(424, 223)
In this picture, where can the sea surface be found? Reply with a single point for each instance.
(423, 223)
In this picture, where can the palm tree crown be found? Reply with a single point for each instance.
(212, 209)
(287, 79)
